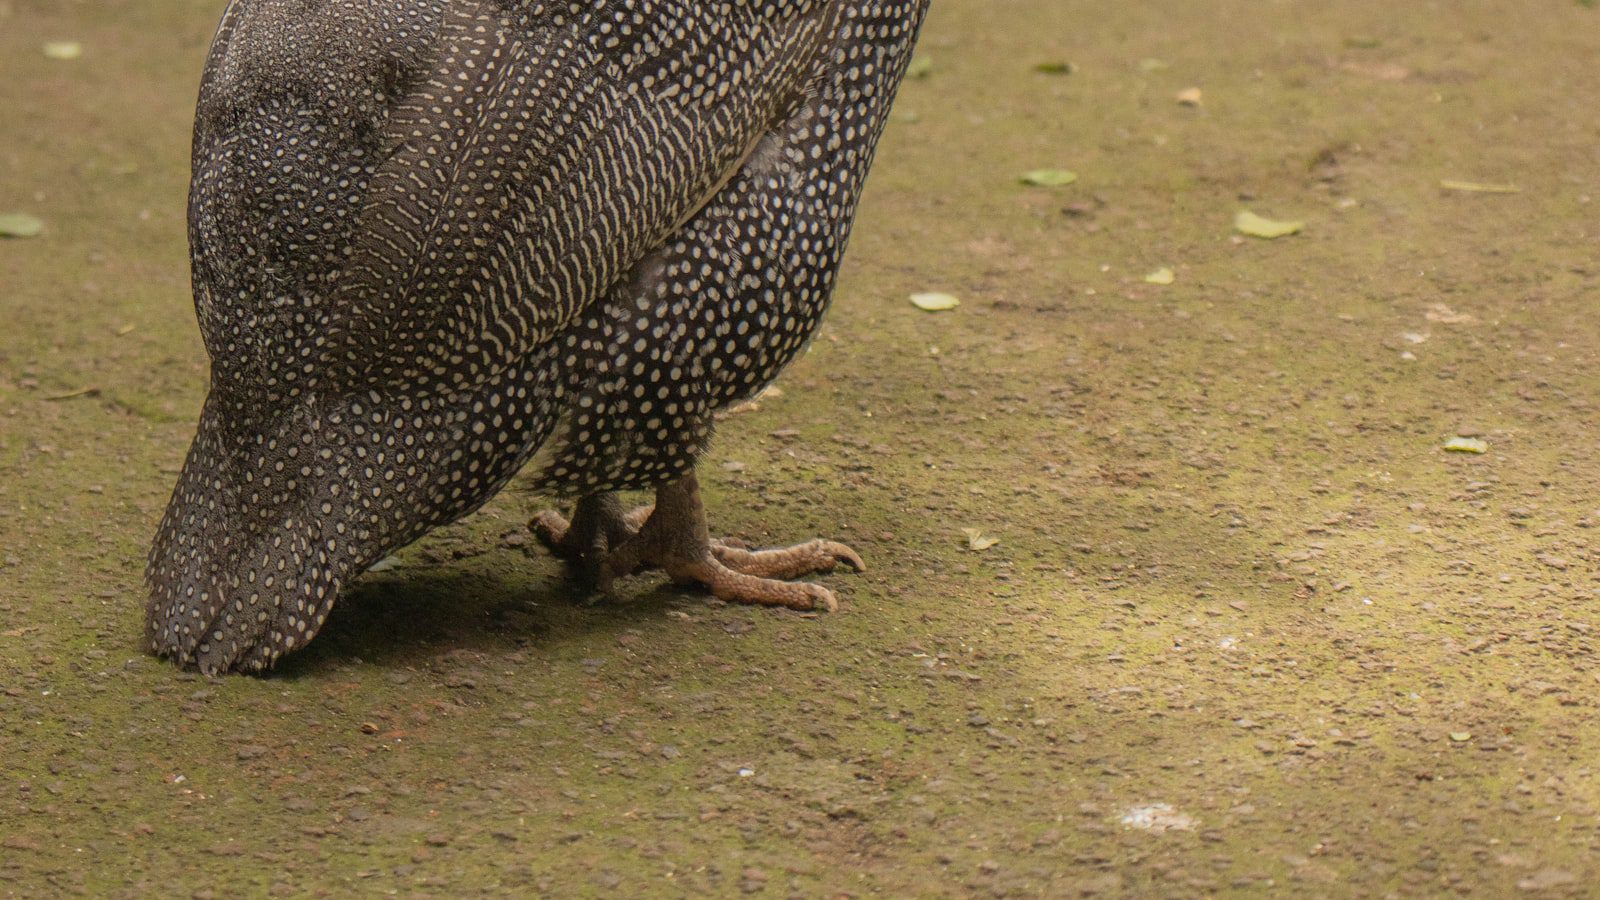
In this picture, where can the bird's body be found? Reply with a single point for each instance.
(436, 239)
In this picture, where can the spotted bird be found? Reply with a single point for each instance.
(437, 242)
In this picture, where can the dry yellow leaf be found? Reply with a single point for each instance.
(977, 540)
(1256, 226)
(1479, 187)
(934, 302)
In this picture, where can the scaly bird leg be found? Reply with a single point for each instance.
(797, 561)
(598, 526)
(675, 538)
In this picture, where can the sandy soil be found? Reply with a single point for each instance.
(1248, 628)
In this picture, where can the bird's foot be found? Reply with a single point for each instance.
(598, 526)
(673, 537)
(736, 575)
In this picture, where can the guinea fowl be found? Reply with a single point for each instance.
(437, 241)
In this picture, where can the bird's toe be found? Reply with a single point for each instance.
(798, 561)
(551, 528)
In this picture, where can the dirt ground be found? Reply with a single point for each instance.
(1247, 629)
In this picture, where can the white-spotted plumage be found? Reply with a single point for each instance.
(431, 236)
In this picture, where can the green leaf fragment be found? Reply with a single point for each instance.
(1048, 177)
(1460, 737)
(1466, 445)
(1055, 68)
(1253, 225)
(20, 225)
(1162, 275)
(934, 302)
(920, 67)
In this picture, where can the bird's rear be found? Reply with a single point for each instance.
(400, 216)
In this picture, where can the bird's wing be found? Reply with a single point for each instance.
(415, 189)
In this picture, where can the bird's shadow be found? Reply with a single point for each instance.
(409, 618)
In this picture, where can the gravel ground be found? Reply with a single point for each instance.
(1247, 627)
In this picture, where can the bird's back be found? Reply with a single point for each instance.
(430, 180)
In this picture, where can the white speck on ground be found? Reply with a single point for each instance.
(1157, 817)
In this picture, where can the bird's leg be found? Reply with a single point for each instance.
(598, 526)
(789, 562)
(675, 538)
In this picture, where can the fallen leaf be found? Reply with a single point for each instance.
(1479, 187)
(1049, 177)
(977, 540)
(921, 67)
(1466, 445)
(1162, 275)
(63, 50)
(1188, 97)
(20, 225)
(1460, 737)
(934, 302)
(1055, 68)
(1253, 225)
